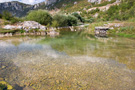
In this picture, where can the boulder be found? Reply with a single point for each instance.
(9, 27)
(26, 25)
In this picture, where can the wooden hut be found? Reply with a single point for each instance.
(101, 31)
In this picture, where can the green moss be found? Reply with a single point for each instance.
(5, 86)
(8, 31)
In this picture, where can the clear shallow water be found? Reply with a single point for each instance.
(70, 61)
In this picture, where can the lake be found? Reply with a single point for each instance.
(71, 61)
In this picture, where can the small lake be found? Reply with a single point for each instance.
(71, 61)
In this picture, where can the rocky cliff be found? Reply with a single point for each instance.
(16, 8)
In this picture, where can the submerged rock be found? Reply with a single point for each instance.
(9, 87)
(28, 88)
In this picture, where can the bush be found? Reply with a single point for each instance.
(41, 16)
(0, 15)
(72, 20)
(55, 23)
(62, 20)
(78, 16)
(15, 20)
(91, 20)
(7, 15)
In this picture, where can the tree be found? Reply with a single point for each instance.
(7, 15)
(0, 15)
(41, 16)
(78, 16)
(61, 19)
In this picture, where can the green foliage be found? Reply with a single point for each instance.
(41, 16)
(91, 20)
(15, 20)
(94, 11)
(7, 15)
(124, 11)
(3, 87)
(55, 23)
(72, 20)
(127, 29)
(104, 3)
(22, 31)
(6, 23)
(0, 15)
(78, 16)
(60, 20)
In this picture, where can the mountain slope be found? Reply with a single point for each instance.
(19, 9)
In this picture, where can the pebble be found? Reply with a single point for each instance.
(3, 67)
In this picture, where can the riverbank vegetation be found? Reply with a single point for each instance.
(57, 20)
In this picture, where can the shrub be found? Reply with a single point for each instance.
(15, 20)
(41, 16)
(55, 23)
(91, 20)
(62, 20)
(7, 15)
(78, 16)
(0, 15)
(72, 20)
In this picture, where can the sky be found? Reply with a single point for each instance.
(24, 1)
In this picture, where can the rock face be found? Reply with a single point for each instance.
(96, 1)
(48, 2)
(99, 1)
(16, 8)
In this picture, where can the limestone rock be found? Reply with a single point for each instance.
(26, 25)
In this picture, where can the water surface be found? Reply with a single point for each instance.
(73, 60)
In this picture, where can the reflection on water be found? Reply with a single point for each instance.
(70, 61)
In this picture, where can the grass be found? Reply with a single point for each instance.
(104, 3)
(126, 35)
(126, 30)
(8, 31)
(92, 26)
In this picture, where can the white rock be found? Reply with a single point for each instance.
(9, 27)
